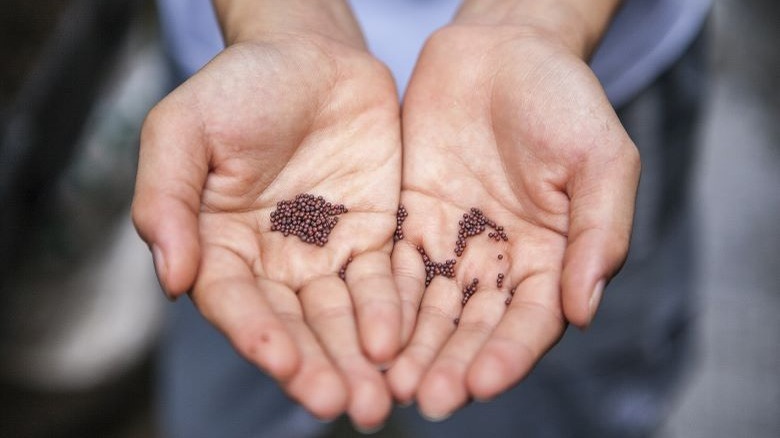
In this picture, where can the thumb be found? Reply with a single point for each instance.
(602, 193)
(172, 169)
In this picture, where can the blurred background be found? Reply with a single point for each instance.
(81, 312)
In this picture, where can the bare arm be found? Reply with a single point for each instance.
(245, 19)
(579, 25)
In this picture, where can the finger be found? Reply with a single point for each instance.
(328, 311)
(602, 210)
(531, 325)
(172, 169)
(409, 276)
(317, 385)
(443, 388)
(226, 294)
(435, 324)
(377, 305)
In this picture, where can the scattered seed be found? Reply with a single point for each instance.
(511, 295)
(309, 217)
(469, 290)
(432, 269)
(456, 321)
(500, 256)
(400, 217)
(343, 270)
(500, 281)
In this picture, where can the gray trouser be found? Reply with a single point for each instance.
(615, 380)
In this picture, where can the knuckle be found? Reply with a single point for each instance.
(323, 316)
(478, 326)
(435, 312)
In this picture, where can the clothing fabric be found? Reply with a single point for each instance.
(616, 379)
(644, 39)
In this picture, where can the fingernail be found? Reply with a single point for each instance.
(161, 269)
(595, 298)
(368, 430)
(404, 404)
(435, 417)
(483, 399)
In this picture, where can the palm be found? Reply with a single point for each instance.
(507, 126)
(264, 122)
(303, 135)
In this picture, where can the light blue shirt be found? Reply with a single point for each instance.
(644, 39)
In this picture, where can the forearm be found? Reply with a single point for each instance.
(577, 24)
(251, 19)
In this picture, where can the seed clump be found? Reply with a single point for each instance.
(400, 217)
(473, 223)
(469, 290)
(499, 234)
(309, 217)
(432, 269)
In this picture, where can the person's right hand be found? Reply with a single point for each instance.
(267, 119)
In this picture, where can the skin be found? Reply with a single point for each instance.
(282, 112)
(503, 114)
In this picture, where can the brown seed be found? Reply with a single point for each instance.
(343, 270)
(500, 256)
(473, 223)
(400, 217)
(308, 217)
(432, 269)
(469, 290)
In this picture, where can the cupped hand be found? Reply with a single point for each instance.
(510, 122)
(263, 122)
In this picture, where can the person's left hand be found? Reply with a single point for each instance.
(512, 123)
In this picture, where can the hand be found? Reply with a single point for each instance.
(509, 121)
(265, 120)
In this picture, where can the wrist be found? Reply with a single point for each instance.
(246, 20)
(575, 24)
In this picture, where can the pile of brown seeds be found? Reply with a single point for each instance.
(309, 217)
(469, 290)
(343, 270)
(432, 269)
(473, 223)
(400, 217)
